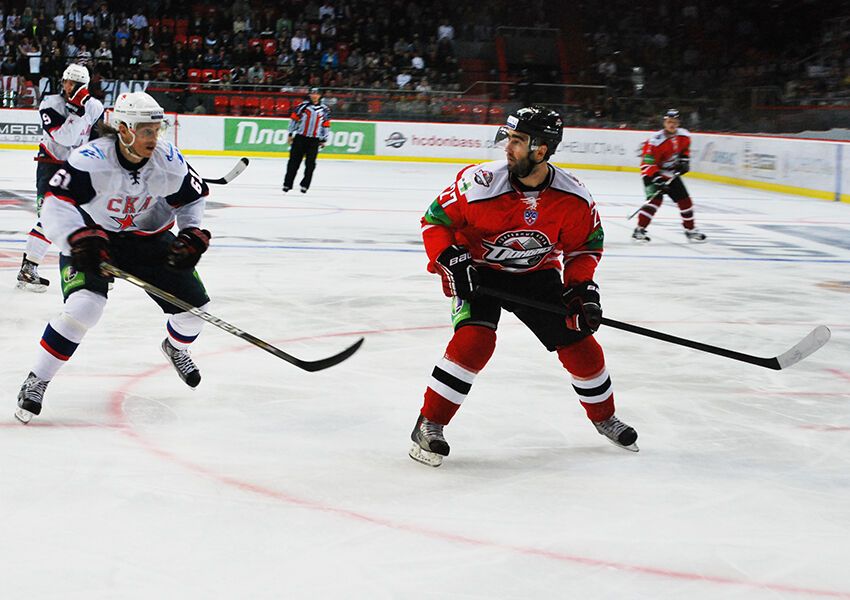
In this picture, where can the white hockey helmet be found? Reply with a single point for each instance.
(76, 73)
(137, 107)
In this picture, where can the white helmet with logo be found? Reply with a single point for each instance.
(136, 107)
(76, 73)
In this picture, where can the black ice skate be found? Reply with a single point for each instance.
(30, 398)
(429, 446)
(28, 278)
(303, 189)
(182, 363)
(286, 188)
(618, 433)
(639, 235)
(695, 236)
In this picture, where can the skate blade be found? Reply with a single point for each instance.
(637, 241)
(423, 456)
(693, 241)
(31, 287)
(24, 416)
(632, 448)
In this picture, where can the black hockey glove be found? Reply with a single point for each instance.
(89, 248)
(582, 300)
(684, 165)
(185, 251)
(457, 271)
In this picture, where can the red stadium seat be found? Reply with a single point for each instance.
(167, 24)
(221, 104)
(270, 47)
(255, 42)
(252, 105)
(208, 74)
(267, 106)
(496, 115)
(195, 40)
(194, 75)
(479, 113)
(221, 73)
(181, 38)
(237, 105)
(181, 27)
(375, 106)
(281, 106)
(464, 112)
(153, 24)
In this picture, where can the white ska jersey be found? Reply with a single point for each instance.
(97, 185)
(63, 131)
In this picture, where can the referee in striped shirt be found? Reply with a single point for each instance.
(309, 126)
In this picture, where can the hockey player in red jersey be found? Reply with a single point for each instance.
(665, 158)
(523, 226)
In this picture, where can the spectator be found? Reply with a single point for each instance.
(445, 31)
(139, 21)
(330, 60)
(103, 58)
(299, 41)
(403, 79)
(256, 73)
(69, 48)
(326, 10)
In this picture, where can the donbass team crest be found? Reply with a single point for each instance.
(518, 250)
(483, 177)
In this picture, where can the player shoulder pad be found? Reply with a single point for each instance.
(564, 181)
(683, 132)
(93, 156)
(97, 107)
(484, 181)
(54, 101)
(657, 138)
(168, 158)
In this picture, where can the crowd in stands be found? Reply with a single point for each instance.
(389, 44)
(702, 55)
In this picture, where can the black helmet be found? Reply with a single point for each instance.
(542, 125)
(672, 113)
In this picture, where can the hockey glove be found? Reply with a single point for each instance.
(660, 182)
(185, 251)
(684, 165)
(457, 271)
(76, 104)
(582, 300)
(89, 248)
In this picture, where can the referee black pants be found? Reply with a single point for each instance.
(302, 147)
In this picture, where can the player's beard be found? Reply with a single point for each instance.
(522, 167)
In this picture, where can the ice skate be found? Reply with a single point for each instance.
(286, 188)
(303, 189)
(182, 363)
(429, 446)
(30, 398)
(695, 236)
(28, 278)
(639, 235)
(618, 433)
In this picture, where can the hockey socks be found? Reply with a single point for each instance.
(467, 353)
(586, 363)
(64, 333)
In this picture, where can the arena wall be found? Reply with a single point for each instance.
(814, 168)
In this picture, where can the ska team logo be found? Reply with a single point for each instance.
(518, 250)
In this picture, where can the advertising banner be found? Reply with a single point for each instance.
(271, 135)
(19, 126)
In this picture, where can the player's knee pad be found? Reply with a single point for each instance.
(584, 358)
(472, 346)
(84, 308)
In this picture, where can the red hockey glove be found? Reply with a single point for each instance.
(76, 104)
(457, 271)
(89, 248)
(582, 300)
(185, 251)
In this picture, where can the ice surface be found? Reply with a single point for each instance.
(269, 482)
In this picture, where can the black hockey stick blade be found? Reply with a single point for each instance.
(233, 174)
(805, 347)
(307, 365)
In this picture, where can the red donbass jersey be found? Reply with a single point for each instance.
(509, 229)
(662, 151)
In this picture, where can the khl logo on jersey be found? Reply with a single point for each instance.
(518, 250)
(530, 216)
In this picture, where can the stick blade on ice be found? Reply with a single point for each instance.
(810, 344)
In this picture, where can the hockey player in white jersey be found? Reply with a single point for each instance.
(68, 120)
(116, 200)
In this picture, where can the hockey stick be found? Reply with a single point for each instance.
(653, 197)
(233, 174)
(307, 365)
(808, 345)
